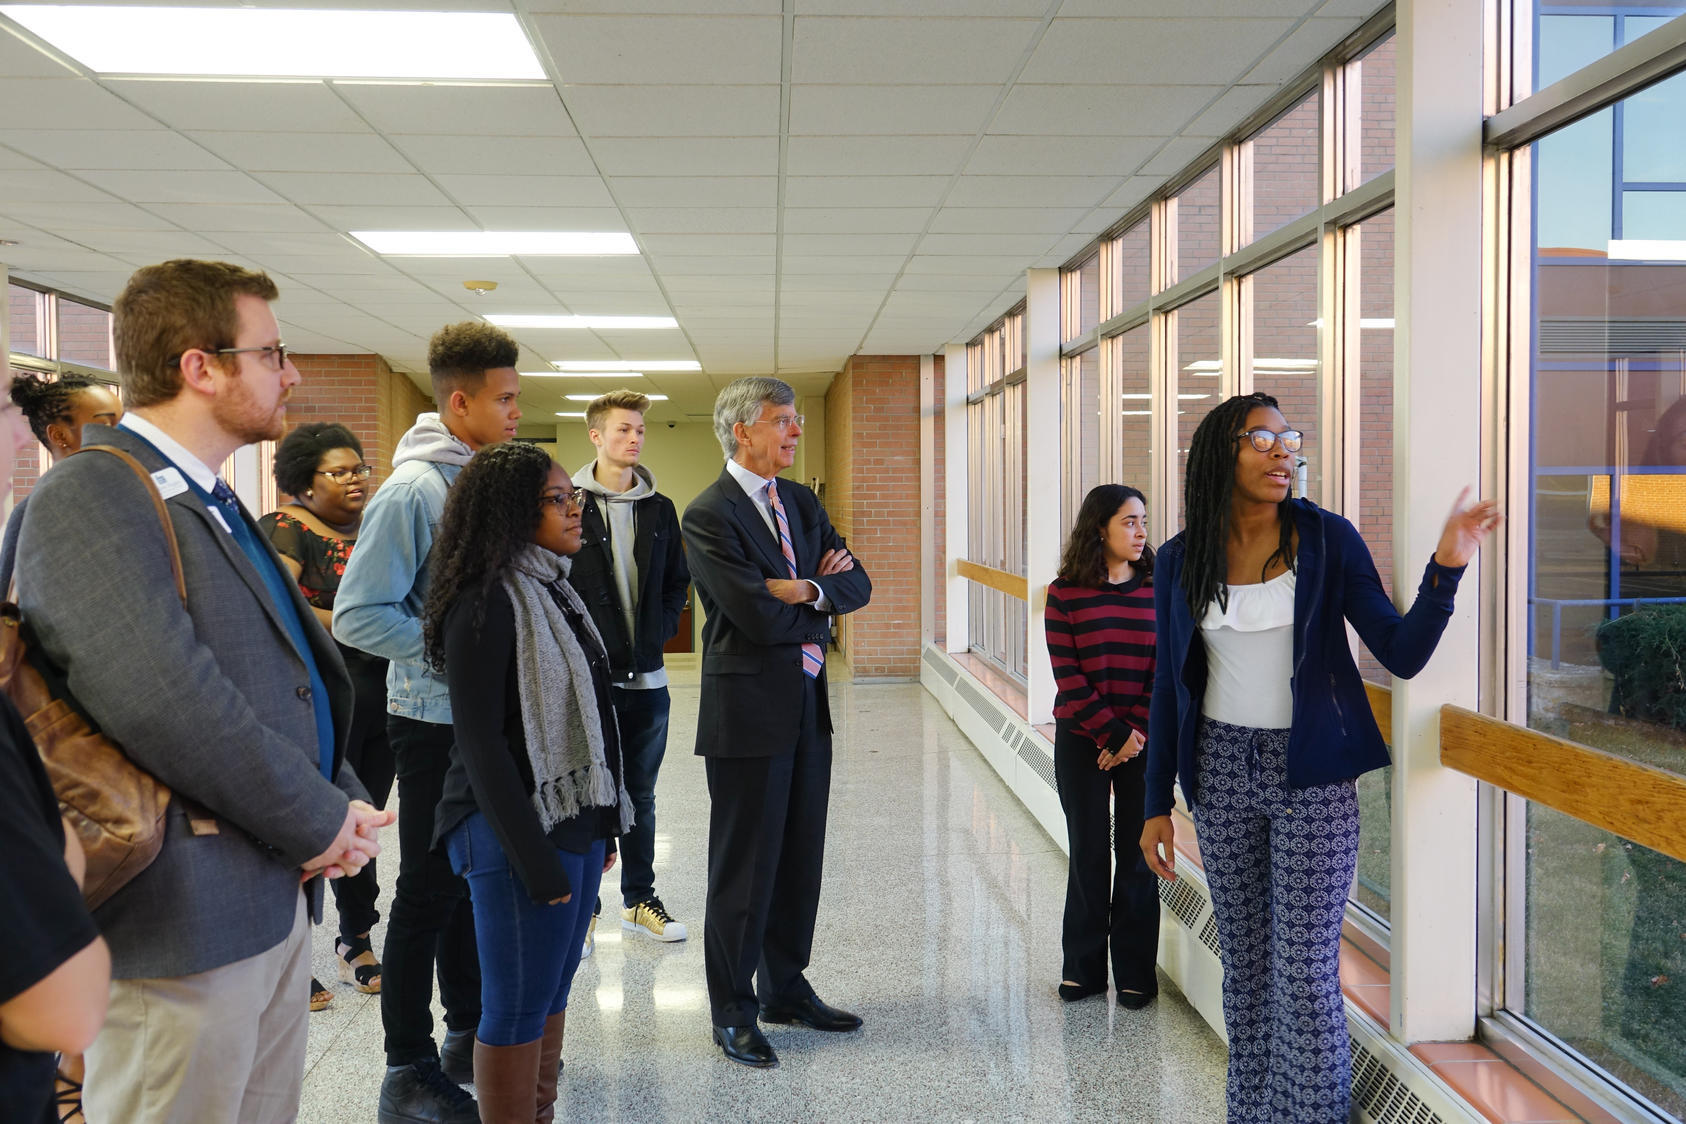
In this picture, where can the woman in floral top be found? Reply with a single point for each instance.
(321, 467)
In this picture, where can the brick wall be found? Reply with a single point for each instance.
(361, 393)
(872, 451)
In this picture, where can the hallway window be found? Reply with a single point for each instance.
(1281, 169)
(1197, 376)
(995, 377)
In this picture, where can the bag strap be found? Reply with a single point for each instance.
(157, 505)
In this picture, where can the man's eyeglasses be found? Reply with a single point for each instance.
(346, 475)
(1264, 440)
(784, 421)
(566, 502)
(275, 356)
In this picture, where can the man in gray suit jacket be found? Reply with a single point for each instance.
(238, 701)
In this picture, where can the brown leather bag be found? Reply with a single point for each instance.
(116, 807)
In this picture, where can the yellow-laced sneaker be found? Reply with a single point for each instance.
(651, 918)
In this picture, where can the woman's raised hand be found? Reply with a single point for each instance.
(1466, 529)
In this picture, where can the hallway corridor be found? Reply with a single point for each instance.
(939, 925)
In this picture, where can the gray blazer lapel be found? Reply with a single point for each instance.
(188, 502)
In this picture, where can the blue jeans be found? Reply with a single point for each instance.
(529, 951)
(643, 726)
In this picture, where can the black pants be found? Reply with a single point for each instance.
(369, 753)
(643, 726)
(766, 843)
(1105, 905)
(431, 921)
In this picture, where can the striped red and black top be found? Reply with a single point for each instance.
(1100, 643)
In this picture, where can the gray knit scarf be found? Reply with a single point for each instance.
(559, 711)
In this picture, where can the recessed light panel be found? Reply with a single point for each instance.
(594, 397)
(599, 323)
(582, 374)
(495, 243)
(290, 43)
(620, 365)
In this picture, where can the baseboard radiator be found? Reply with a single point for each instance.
(1390, 1085)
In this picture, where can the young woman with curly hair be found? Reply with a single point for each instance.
(534, 797)
(1099, 624)
(1259, 714)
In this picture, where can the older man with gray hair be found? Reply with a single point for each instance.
(770, 572)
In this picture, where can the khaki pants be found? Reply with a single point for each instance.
(219, 1047)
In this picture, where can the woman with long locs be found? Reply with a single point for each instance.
(1099, 624)
(1259, 714)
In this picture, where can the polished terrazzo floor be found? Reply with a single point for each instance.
(939, 925)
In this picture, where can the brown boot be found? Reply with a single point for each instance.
(505, 1078)
(550, 1067)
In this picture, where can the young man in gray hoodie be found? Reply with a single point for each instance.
(379, 610)
(631, 574)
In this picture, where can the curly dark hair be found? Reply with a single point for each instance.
(1083, 562)
(302, 450)
(459, 355)
(45, 401)
(1207, 486)
(491, 512)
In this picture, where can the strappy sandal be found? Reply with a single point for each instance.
(67, 1100)
(358, 966)
(320, 996)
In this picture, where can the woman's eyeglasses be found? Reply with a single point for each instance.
(566, 502)
(346, 475)
(1264, 440)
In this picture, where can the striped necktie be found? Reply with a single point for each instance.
(813, 657)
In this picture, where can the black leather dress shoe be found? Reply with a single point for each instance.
(746, 1045)
(811, 1012)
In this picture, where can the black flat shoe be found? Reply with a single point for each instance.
(1071, 993)
(746, 1045)
(811, 1012)
(1135, 1000)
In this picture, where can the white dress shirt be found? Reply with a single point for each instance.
(755, 487)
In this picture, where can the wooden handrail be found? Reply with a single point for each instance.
(1013, 585)
(1626, 798)
(1381, 705)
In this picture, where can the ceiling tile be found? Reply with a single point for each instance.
(549, 218)
(674, 111)
(305, 152)
(703, 220)
(1082, 156)
(266, 244)
(514, 156)
(678, 7)
(937, 283)
(1225, 113)
(1177, 154)
(697, 263)
(257, 217)
(630, 50)
(889, 110)
(342, 189)
(864, 191)
(1151, 51)
(1029, 245)
(849, 243)
(80, 149)
(726, 245)
(1112, 9)
(829, 264)
(962, 8)
(48, 187)
(525, 191)
(308, 107)
(377, 217)
(1030, 191)
(696, 191)
(845, 156)
(65, 103)
(855, 220)
(974, 266)
(1016, 220)
(505, 111)
(679, 156)
(19, 59)
(1112, 111)
(1309, 42)
(174, 187)
(888, 50)
(54, 214)
(1363, 9)
(836, 283)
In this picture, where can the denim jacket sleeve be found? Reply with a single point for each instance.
(1403, 644)
(372, 611)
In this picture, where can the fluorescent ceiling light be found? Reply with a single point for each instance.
(582, 374)
(594, 397)
(569, 414)
(296, 43)
(496, 243)
(603, 366)
(601, 323)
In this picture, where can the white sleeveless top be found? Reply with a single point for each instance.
(1250, 655)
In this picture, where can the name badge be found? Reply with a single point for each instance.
(170, 482)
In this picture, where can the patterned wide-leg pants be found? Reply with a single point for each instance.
(1279, 863)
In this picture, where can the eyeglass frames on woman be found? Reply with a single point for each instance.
(346, 475)
(1264, 440)
(571, 501)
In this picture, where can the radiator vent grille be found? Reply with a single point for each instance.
(942, 667)
(1381, 1097)
(1183, 900)
(1209, 934)
(1033, 756)
(984, 709)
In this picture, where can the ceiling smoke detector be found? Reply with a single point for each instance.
(479, 288)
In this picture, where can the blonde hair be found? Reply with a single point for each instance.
(623, 399)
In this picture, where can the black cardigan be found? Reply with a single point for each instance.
(490, 772)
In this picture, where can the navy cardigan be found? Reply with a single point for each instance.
(1333, 735)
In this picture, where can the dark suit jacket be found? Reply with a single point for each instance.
(213, 700)
(751, 702)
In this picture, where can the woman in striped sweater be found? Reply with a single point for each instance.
(1099, 624)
